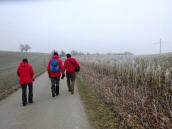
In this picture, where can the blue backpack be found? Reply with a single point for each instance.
(55, 66)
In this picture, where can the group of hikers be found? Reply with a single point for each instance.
(56, 71)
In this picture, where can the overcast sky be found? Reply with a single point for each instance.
(86, 25)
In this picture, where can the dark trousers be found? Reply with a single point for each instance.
(70, 81)
(24, 93)
(55, 85)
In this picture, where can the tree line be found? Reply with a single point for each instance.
(27, 47)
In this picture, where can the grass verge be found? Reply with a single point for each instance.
(99, 114)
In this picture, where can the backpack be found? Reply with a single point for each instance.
(55, 66)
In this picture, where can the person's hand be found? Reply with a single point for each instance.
(77, 69)
(63, 76)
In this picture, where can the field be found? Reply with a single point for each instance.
(8, 68)
(137, 88)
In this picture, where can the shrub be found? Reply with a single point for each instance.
(138, 88)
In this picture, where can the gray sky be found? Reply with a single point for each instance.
(86, 25)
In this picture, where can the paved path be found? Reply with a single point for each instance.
(62, 112)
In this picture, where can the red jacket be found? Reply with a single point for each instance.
(58, 74)
(71, 64)
(26, 73)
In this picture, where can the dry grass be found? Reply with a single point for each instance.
(138, 88)
(99, 114)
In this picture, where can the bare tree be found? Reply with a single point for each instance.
(24, 47)
(21, 47)
(27, 47)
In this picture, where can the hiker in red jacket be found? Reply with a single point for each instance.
(55, 71)
(26, 77)
(71, 66)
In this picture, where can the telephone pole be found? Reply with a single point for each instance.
(160, 45)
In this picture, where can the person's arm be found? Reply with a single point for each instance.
(18, 73)
(32, 73)
(62, 68)
(65, 65)
(48, 68)
(76, 63)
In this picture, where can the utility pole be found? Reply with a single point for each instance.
(160, 45)
(160, 48)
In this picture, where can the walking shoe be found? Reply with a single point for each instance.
(53, 95)
(31, 101)
(72, 92)
(24, 104)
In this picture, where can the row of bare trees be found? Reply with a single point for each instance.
(27, 47)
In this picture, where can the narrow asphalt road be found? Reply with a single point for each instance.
(62, 112)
